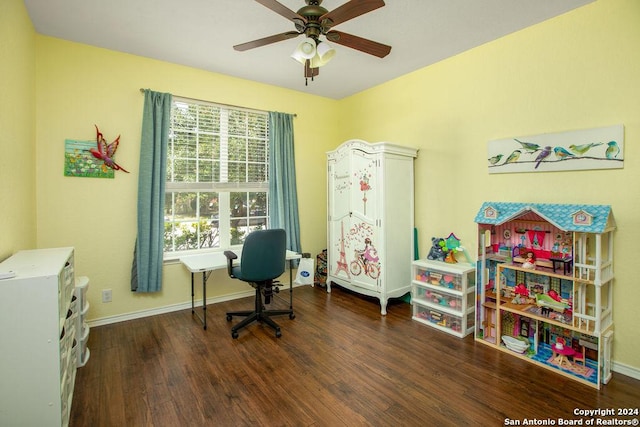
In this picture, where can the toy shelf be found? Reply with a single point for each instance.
(442, 296)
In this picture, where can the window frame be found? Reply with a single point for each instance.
(222, 188)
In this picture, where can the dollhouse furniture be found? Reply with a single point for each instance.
(443, 296)
(370, 219)
(561, 262)
(561, 352)
(39, 344)
(580, 356)
(572, 304)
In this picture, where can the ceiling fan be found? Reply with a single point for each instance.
(314, 21)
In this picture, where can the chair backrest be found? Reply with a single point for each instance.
(263, 255)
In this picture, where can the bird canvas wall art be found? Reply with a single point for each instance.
(596, 148)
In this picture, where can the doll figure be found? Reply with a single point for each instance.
(530, 261)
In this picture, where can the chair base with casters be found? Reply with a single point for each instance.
(259, 314)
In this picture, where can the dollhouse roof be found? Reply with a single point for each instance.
(566, 217)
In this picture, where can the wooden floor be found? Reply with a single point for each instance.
(338, 363)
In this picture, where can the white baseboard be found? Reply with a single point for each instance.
(621, 368)
(165, 309)
(171, 308)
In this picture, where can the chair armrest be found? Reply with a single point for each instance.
(230, 257)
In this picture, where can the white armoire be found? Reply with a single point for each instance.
(370, 219)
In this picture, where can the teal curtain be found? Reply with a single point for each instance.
(146, 271)
(283, 194)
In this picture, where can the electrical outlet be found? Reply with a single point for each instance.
(106, 295)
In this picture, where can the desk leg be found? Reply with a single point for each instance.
(192, 296)
(204, 299)
(290, 284)
(203, 319)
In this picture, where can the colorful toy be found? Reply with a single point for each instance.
(450, 258)
(548, 302)
(522, 294)
(553, 294)
(521, 289)
(448, 282)
(453, 247)
(437, 251)
(538, 289)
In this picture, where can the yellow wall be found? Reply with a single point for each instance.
(577, 71)
(17, 132)
(79, 85)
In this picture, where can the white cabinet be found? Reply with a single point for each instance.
(443, 296)
(38, 315)
(370, 219)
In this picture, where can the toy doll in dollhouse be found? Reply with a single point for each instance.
(530, 261)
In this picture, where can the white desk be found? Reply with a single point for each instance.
(206, 263)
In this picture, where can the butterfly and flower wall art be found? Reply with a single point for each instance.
(94, 159)
(597, 148)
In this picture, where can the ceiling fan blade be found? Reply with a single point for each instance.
(363, 45)
(281, 9)
(350, 10)
(266, 40)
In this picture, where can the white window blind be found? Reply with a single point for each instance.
(217, 176)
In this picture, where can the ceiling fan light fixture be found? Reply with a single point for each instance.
(316, 62)
(324, 53)
(307, 48)
(298, 57)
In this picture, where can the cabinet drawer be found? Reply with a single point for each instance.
(434, 298)
(444, 321)
(438, 278)
(68, 280)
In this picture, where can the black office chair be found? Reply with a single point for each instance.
(263, 260)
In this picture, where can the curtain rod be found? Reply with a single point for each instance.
(219, 103)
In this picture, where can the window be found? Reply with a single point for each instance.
(217, 176)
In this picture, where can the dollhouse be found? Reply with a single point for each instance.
(545, 283)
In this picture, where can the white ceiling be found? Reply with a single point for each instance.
(201, 33)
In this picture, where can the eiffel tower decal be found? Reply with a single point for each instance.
(342, 262)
